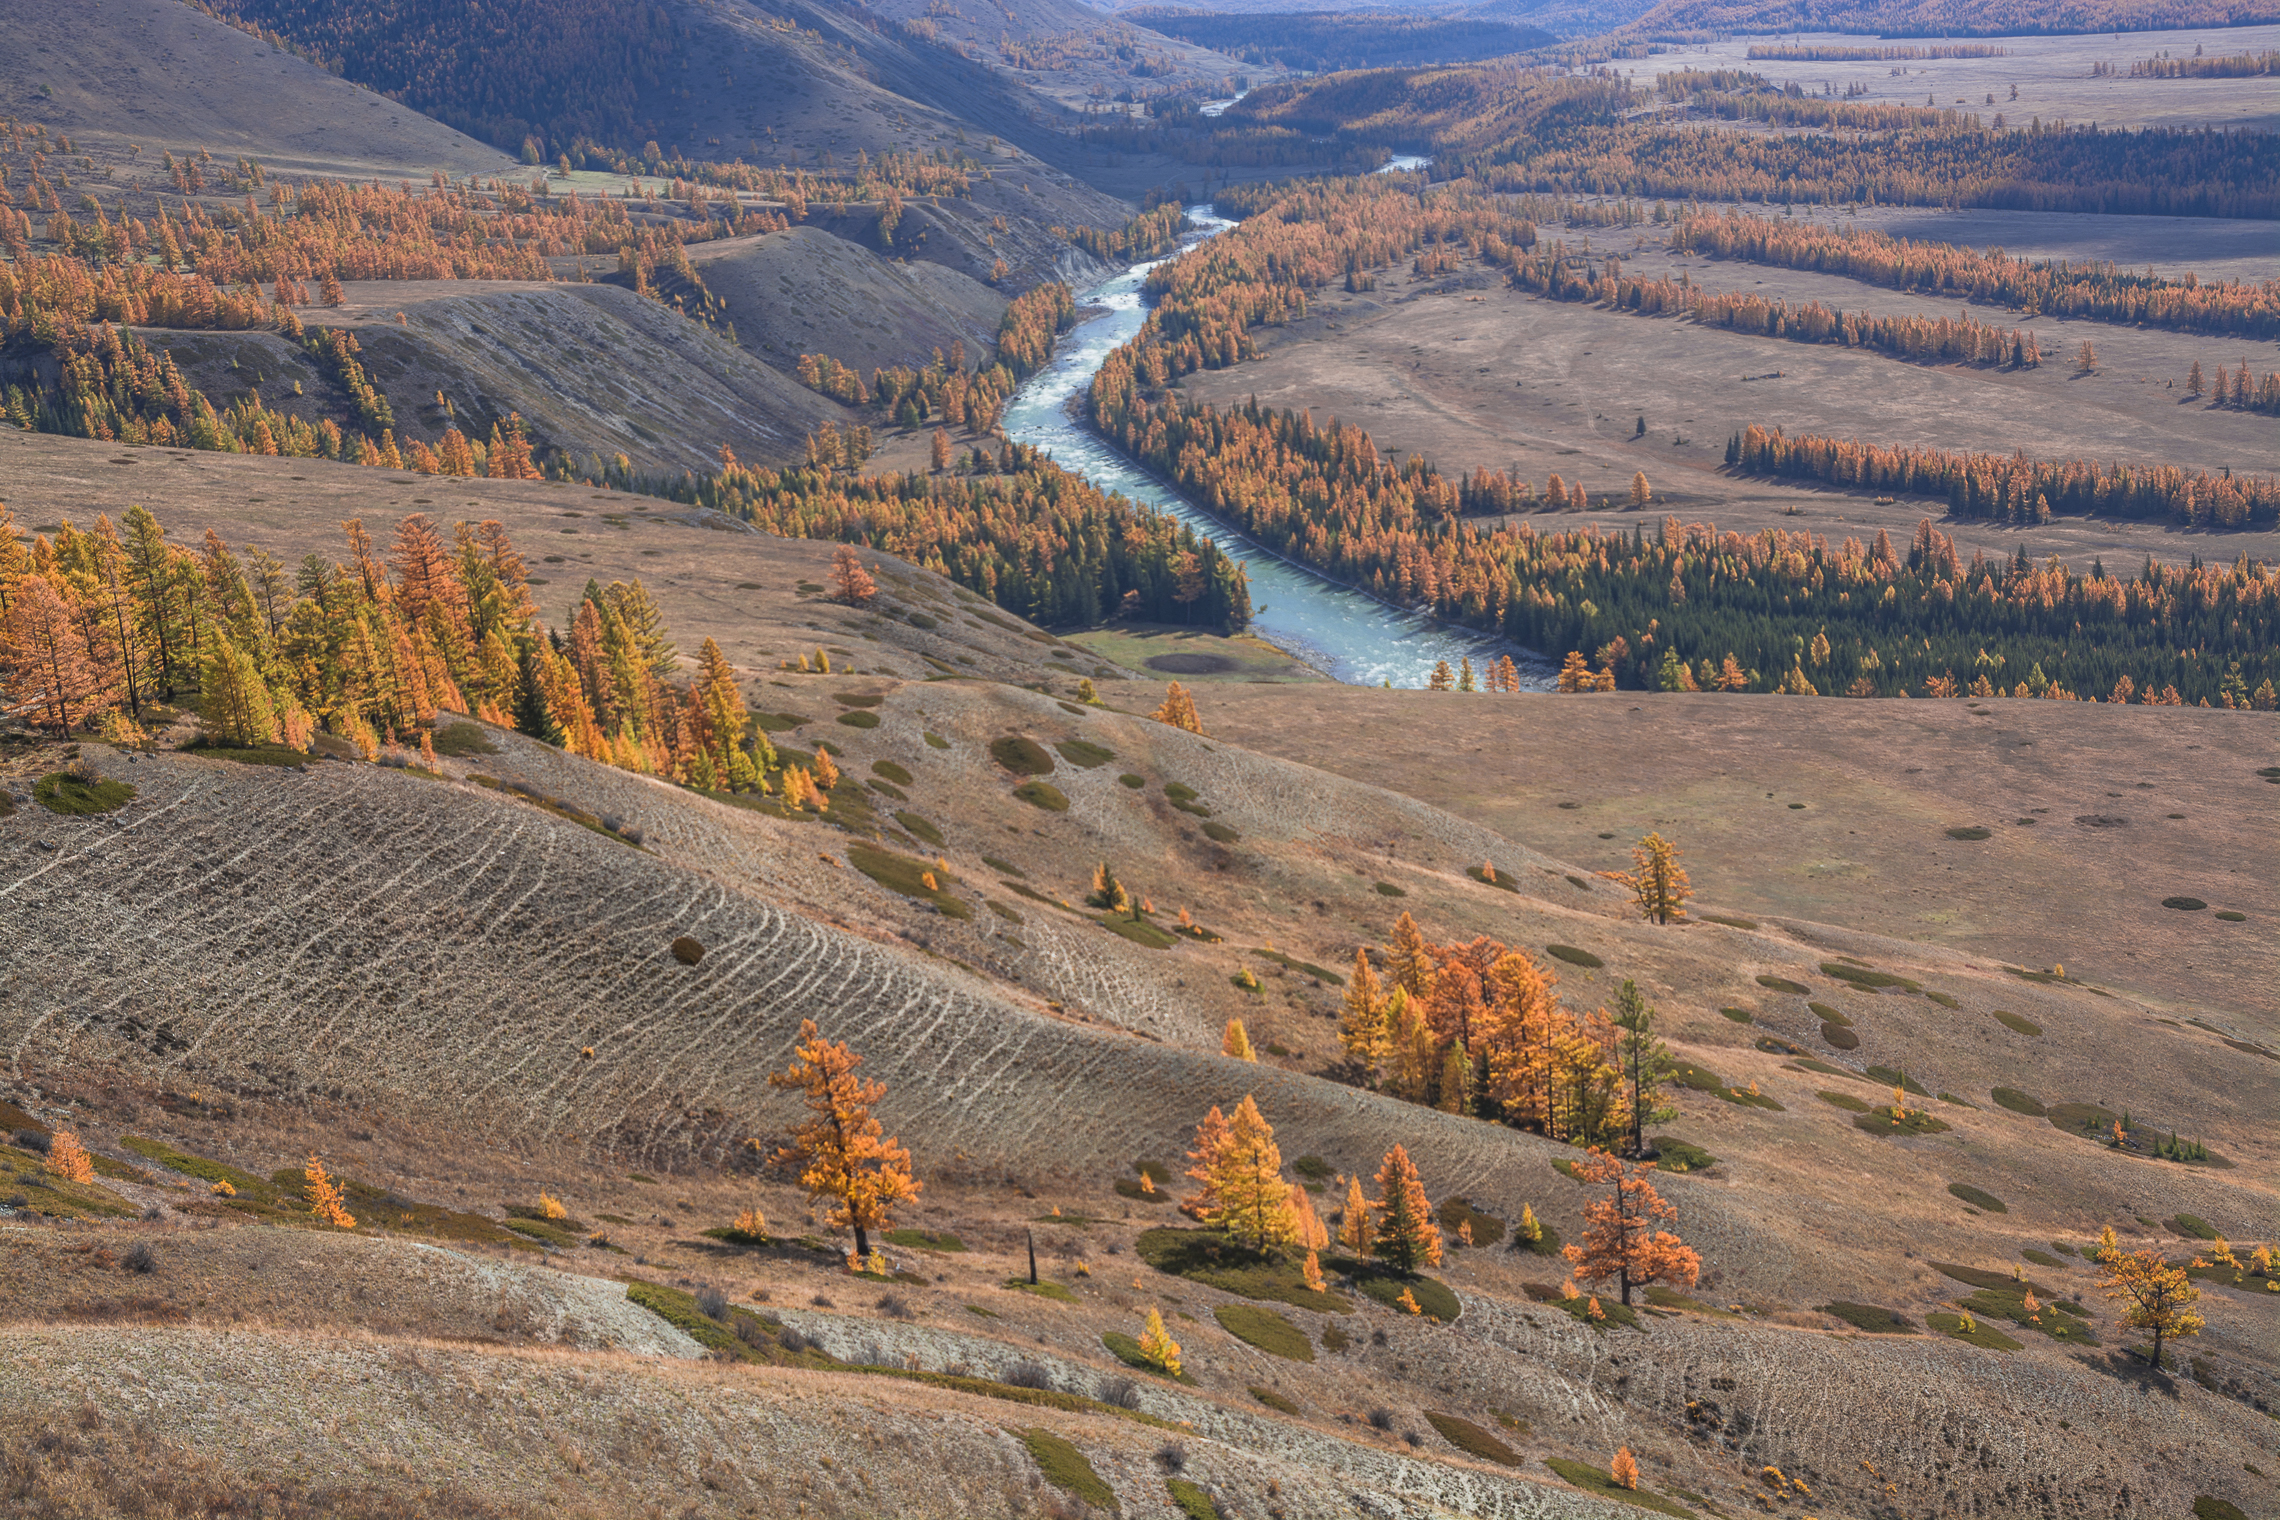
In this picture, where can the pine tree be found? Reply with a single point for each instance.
(1644, 1061)
(1406, 1237)
(1235, 1042)
(842, 1151)
(1250, 1199)
(1618, 1239)
(1657, 881)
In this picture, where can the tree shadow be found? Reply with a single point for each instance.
(2129, 1365)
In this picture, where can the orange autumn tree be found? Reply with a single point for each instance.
(1178, 709)
(324, 1196)
(68, 1159)
(1240, 1168)
(1659, 882)
(2155, 1295)
(854, 583)
(1619, 1240)
(1406, 1237)
(841, 1151)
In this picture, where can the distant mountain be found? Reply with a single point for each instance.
(1949, 18)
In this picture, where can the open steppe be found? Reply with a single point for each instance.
(1471, 373)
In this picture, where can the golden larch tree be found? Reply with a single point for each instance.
(2155, 1295)
(68, 1159)
(842, 1151)
(1211, 1137)
(1157, 1348)
(1657, 881)
(1249, 1197)
(1361, 1032)
(1407, 1237)
(1178, 709)
(854, 583)
(1623, 1472)
(1236, 1042)
(324, 1196)
(1619, 1238)
(1354, 1229)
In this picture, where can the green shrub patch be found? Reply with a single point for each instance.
(1083, 754)
(920, 828)
(1882, 1121)
(1839, 1037)
(2019, 1102)
(1039, 794)
(61, 792)
(1592, 1481)
(924, 1240)
(1502, 880)
(1139, 931)
(1274, 1401)
(459, 740)
(1023, 757)
(1869, 1318)
(1470, 1439)
(2017, 1025)
(1970, 833)
(1862, 976)
(1432, 1295)
(1191, 1500)
(2041, 1258)
(1981, 1334)
(1388, 889)
(1738, 1015)
(1304, 968)
(1487, 1229)
(1127, 1350)
(900, 873)
(1679, 1156)
(891, 771)
(860, 718)
(2192, 1226)
(1042, 1288)
(1210, 1258)
(1731, 923)
(1066, 1469)
(1829, 1015)
(1845, 1101)
(1980, 1198)
(1892, 1078)
(1701, 1080)
(1782, 984)
(1221, 833)
(1574, 956)
(1265, 1329)
(2184, 904)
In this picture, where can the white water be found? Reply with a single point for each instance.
(1345, 633)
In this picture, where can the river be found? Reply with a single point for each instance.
(1346, 634)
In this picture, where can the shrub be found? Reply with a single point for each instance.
(1970, 833)
(1065, 1468)
(1782, 984)
(1265, 1329)
(1574, 956)
(901, 874)
(711, 1302)
(1381, 1418)
(1023, 757)
(1966, 1328)
(1039, 795)
(860, 718)
(1845, 1101)
(139, 1258)
(1882, 1121)
(920, 828)
(2019, 1103)
(1891, 1078)
(2184, 904)
(1191, 1499)
(1388, 889)
(1863, 976)
(74, 797)
(1026, 1375)
(1869, 1318)
(923, 1240)
(1471, 1439)
(1221, 833)
(1084, 755)
(1593, 1481)
(1455, 1213)
(1679, 1156)
(2017, 1025)
(1980, 1198)
(1839, 1037)
(688, 951)
(1274, 1401)
(1738, 1015)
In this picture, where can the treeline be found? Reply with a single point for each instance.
(945, 389)
(1324, 43)
(1702, 20)
(1017, 529)
(2012, 487)
(2100, 292)
(1790, 52)
(1149, 235)
(1511, 128)
(2237, 66)
(510, 71)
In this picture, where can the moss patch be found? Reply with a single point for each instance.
(1869, 1318)
(2019, 1102)
(1980, 1198)
(1470, 1439)
(1041, 795)
(920, 828)
(891, 771)
(1863, 976)
(1023, 757)
(1388, 889)
(64, 793)
(1970, 833)
(1829, 1015)
(1839, 1037)
(1782, 984)
(1592, 1481)
(2015, 1024)
(1574, 956)
(1042, 1288)
(1433, 1296)
(1845, 1101)
(900, 873)
(1066, 1469)
(1265, 1329)
(860, 718)
(1738, 1015)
